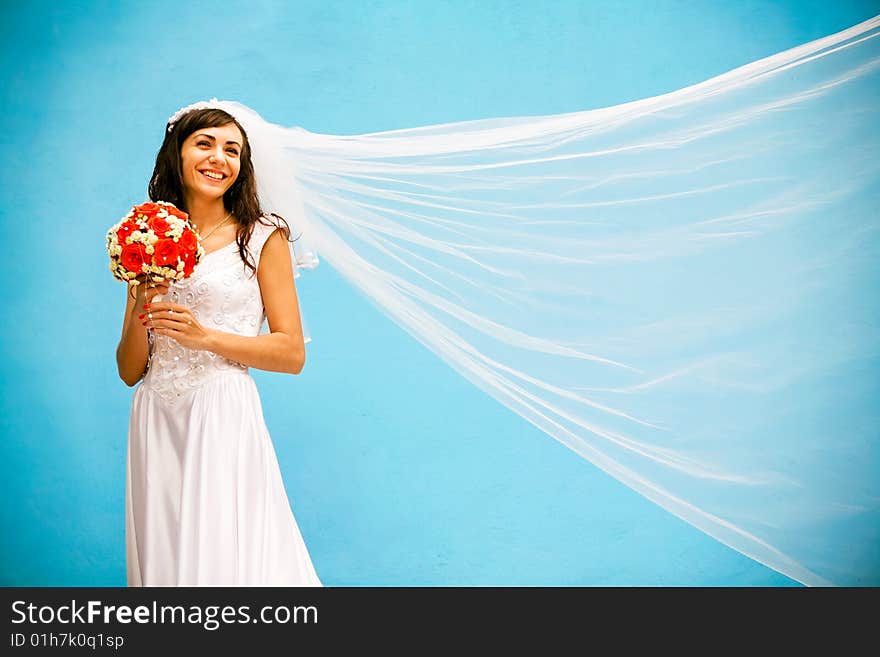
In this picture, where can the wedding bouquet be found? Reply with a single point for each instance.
(154, 241)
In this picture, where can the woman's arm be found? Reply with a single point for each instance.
(133, 350)
(283, 349)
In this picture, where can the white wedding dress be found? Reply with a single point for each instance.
(205, 500)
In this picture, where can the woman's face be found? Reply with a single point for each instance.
(210, 160)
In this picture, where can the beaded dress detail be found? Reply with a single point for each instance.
(222, 294)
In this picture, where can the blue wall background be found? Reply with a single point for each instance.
(399, 471)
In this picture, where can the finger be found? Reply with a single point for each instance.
(157, 323)
(170, 329)
(169, 317)
(168, 305)
(156, 313)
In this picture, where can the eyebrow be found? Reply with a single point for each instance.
(211, 137)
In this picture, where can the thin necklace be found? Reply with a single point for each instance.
(204, 237)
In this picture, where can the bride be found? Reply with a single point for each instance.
(205, 500)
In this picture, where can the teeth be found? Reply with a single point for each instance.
(215, 176)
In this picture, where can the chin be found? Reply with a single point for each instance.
(209, 192)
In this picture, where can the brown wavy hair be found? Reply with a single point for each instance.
(166, 183)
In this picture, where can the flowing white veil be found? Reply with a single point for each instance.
(682, 289)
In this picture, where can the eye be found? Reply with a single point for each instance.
(204, 142)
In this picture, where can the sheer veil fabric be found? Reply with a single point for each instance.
(681, 289)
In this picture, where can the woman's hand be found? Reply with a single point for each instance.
(178, 322)
(146, 292)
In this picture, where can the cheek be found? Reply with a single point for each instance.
(186, 163)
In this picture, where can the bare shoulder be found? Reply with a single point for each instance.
(263, 227)
(276, 252)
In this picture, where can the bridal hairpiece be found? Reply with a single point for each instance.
(202, 104)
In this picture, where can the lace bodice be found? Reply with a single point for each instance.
(223, 294)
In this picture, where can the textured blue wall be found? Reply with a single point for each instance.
(399, 471)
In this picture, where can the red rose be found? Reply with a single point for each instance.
(133, 257)
(188, 241)
(125, 230)
(165, 253)
(149, 210)
(173, 210)
(158, 225)
(189, 263)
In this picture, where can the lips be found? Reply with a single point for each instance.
(215, 180)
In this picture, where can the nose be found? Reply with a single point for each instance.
(217, 155)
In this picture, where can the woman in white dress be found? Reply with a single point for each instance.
(205, 500)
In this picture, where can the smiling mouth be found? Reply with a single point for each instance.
(211, 178)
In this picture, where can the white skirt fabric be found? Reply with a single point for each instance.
(205, 500)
